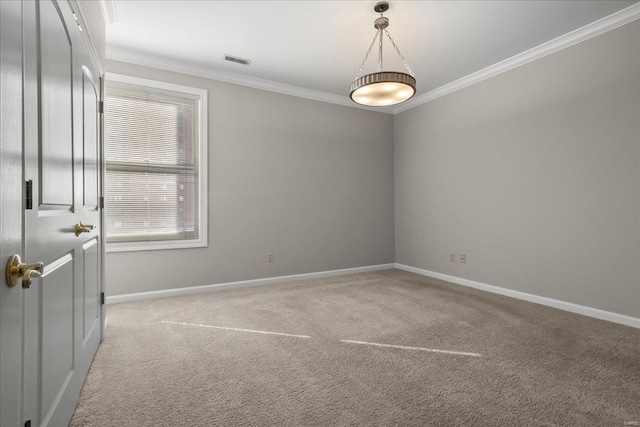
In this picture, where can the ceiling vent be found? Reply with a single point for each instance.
(237, 60)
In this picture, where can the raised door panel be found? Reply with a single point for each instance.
(57, 351)
(90, 139)
(56, 97)
(91, 290)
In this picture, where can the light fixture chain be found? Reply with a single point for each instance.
(367, 55)
(404, 61)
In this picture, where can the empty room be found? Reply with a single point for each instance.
(322, 213)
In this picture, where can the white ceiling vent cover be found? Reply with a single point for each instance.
(236, 59)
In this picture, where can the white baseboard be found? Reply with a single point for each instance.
(241, 284)
(550, 302)
(562, 305)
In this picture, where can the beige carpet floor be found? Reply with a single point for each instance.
(462, 357)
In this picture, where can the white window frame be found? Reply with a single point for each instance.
(203, 219)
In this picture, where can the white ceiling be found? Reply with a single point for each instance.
(319, 45)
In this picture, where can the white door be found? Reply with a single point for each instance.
(62, 309)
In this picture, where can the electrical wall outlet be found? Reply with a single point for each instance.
(269, 257)
(452, 257)
(463, 259)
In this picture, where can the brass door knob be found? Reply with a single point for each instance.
(17, 272)
(82, 228)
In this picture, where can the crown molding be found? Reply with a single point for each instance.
(596, 28)
(146, 60)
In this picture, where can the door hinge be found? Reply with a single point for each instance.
(101, 202)
(102, 298)
(28, 191)
(27, 423)
(101, 107)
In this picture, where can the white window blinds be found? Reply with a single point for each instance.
(152, 178)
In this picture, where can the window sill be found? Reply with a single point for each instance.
(155, 246)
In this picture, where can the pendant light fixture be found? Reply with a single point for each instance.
(382, 88)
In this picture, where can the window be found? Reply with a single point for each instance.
(155, 155)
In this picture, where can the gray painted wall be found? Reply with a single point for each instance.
(534, 175)
(310, 182)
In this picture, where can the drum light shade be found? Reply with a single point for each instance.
(383, 88)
